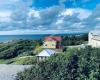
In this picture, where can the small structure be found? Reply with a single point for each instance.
(94, 38)
(52, 42)
(45, 54)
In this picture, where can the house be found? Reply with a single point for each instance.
(52, 42)
(94, 38)
(45, 54)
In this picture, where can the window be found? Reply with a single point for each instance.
(53, 45)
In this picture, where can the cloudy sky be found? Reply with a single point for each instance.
(70, 15)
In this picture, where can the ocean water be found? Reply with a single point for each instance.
(6, 38)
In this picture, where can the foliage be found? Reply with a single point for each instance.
(19, 52)
(74, 39)
(17, 48)
(8, 61)
(74, 64)
(24, 60)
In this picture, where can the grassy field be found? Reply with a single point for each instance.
(19, 60)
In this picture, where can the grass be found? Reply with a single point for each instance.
(7, 61)
(19, 60)
(25, 60)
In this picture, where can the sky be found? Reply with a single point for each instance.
(42, 15)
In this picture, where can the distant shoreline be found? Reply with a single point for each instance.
(38, 32)
(10, 38)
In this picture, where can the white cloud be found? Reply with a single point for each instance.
(7, 1)
(54, 18)
(67, 12)
(93, 20)
(78, 25)
(50, 18)
(98, 18)
(7, 4)
(72, 18)
(5, 16)
(5, 19)
(59, 21)
(5, 13)
(34, 13)
(83, 13)
(57, 18)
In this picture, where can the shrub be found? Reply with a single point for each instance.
(83, 64)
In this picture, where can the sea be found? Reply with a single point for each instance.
(7, 38)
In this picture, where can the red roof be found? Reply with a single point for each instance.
(54, 38)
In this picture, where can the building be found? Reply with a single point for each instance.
(45, 54)
(52, 42)
(94, 38)
(51, 45)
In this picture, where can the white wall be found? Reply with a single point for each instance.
(94, 41)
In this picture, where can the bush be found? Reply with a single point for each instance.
(69, 40)
(83, 64)
(17, 48)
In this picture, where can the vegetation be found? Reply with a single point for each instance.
(12, 52)
(24, 60)
(74, 64)
(74, 39)
(71, 64)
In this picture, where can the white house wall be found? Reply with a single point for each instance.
(94, 40)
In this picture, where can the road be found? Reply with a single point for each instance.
(8, 72)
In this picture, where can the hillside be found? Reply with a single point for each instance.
(24, 51)
(14, 52)
(74, 64)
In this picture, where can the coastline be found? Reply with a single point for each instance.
(10, 38)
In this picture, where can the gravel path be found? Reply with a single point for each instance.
(8, 72)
